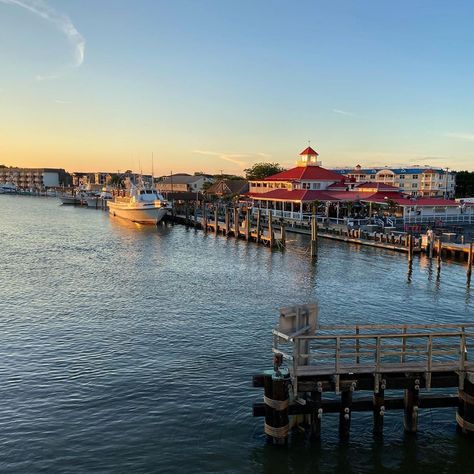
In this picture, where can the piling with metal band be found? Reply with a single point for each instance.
(316, 413)
(379, 408)
(276, 405)
(465, 413)
(345, 414)
(410, 403)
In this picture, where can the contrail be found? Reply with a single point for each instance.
(61, 21)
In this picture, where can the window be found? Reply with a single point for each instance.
(306, 186)
(415, 176)
(372, 176)
(414, 185)
(316, 185)
(402, 176)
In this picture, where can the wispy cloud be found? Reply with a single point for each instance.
(48, 77)
(343, 112)
(60, 101)
(231, 157)
(61, 21)
(461, 136)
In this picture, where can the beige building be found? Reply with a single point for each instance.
(420, 181)
(35, 178)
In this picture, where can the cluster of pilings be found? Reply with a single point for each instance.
(236, 222)
(281, 415)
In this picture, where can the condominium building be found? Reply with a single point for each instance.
(422, 181)
(35, 178)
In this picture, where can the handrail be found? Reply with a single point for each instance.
(384, 336)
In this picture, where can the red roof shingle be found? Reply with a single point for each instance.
(309, 173)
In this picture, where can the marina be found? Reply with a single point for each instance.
(96, 372)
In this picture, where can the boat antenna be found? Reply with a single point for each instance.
(152, 172)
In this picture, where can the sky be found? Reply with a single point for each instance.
(218, 85)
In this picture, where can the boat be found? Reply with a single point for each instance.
(69, 199)
(98, 200)
(144, 206)
(8, 188)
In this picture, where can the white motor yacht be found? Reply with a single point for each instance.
(144, 206)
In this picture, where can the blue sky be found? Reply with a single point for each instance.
(219, 85)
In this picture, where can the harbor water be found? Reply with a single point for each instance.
(130, 349)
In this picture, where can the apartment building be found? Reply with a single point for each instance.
(420, 181)
(35, 178)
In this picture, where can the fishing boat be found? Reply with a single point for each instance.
(141, 205)
(98, 200)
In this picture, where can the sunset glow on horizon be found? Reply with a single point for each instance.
(217, 86)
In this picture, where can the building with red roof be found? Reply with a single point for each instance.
(292, 193)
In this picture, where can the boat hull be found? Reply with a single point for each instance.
(144, 215)
(69, 200)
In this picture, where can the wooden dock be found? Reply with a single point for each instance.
(235, 223)
(390, 367)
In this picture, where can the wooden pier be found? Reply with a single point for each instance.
(386, 367)
(232, 222)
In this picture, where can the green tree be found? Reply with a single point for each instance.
(465, 184)
(117, 181)
(262, 170)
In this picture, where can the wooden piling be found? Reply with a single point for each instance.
(314, 234)
(258, 225)
(469, 262)
(410, 404)
(276, 406)
(410, 248)
(345, 414)
(247, 225)
(236, 223)
(271, 235)
(439, 250)
(316, 414)
(227, 221)
(216, 220)
(465, 413)
(283, 233)
(379, 408)
(204, 217)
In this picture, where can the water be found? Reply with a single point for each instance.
(130, 349)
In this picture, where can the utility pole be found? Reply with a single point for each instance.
(446, 188)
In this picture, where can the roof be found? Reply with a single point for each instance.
(407, 170)
(301, 195)
(377, 185)
(309, 151)
(296, 195)
(180, 179)
(310, 173)
(229, 186)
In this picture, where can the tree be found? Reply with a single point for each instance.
(262, 170)
(464, 184)
(116, 180)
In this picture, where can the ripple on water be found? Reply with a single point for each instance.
(131, 349)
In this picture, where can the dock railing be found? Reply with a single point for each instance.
(378, 349)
